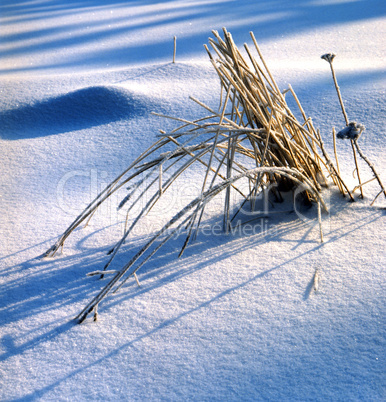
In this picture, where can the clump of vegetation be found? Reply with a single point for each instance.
(253, 138)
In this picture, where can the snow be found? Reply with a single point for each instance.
(236, 318)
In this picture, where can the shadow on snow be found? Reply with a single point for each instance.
(262, 17)
(50, 284)
(77, 110)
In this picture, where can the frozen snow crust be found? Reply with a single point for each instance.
(237, 317)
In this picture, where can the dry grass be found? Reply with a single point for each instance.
(253, 137)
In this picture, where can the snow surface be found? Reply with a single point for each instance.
(236, 318)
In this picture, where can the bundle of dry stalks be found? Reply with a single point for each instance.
(254, 137)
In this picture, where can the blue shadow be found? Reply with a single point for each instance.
(81, 109)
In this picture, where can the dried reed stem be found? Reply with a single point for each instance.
(174, 48)
(316, 280)
(376, 175)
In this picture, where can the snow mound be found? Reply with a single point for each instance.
(72, 111)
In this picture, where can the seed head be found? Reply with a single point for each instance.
(328, 57)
